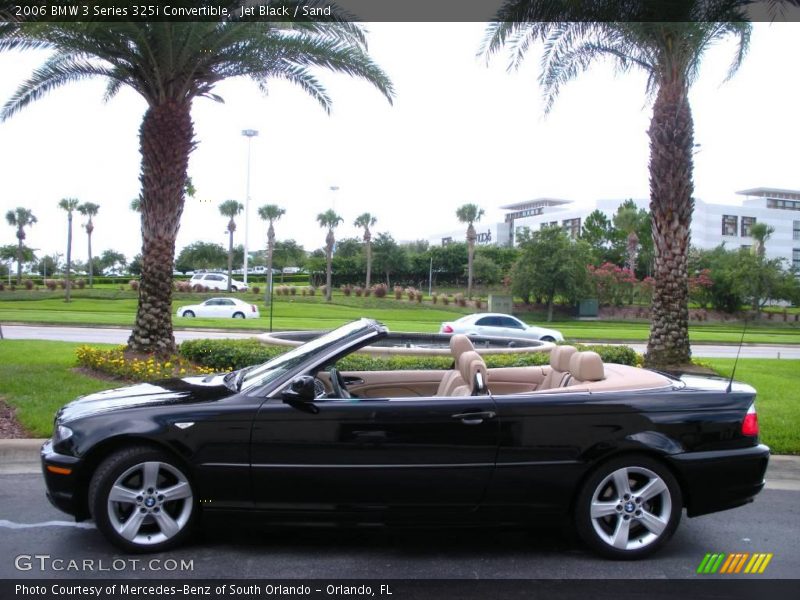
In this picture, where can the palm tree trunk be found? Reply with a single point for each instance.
(20, 238)
(369, 264)
(671, 205)
(230, 256)
(165, 142)
(329, 270)
(270, 251)
(471, 237)
(89, 229)
(68, 288)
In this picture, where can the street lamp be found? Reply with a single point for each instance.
(249, 134)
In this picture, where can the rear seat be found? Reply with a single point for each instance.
(559, 367)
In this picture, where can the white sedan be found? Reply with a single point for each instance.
(221, 307)
(496, 324)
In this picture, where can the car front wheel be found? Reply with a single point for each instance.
(629, 507)
(548, 338)
(188, 313)
(238, 315)
(142, 500)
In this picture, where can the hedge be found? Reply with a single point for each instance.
(234, 354)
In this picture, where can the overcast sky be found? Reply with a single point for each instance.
(458, 132)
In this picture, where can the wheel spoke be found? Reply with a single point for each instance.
(603, 509)
(169, 527)
(653, 523)
(131, 527)
(653, 488)
(150, 475)
(177, 492)
(122, 494)
(621, 482)
(621, 534)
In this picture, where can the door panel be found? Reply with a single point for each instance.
(393, 384)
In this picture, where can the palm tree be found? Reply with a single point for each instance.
(761, 232)
(270, 213)
(20, 218)
(70, 205)
(230, 209)
(627, 221)
(469, 214)
(170, 65)
(668, 48)
(366, 221)
(89, 209)
(330, 220)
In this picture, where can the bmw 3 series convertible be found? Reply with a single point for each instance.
(619, 451)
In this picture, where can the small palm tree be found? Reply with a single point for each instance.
(70, 205)
(230, 209)
(89, 209)
(627, 221)
(20, 218)
(270, 213)
(469, 214)
(761, 232)
(366, 221)
(330, 220)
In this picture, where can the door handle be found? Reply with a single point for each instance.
(353, 380)
(475, 418)
(374, 436)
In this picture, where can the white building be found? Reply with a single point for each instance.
(712, 224)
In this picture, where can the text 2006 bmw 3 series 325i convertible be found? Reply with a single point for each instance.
(620, 451)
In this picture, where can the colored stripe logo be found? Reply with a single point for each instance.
(737, 562)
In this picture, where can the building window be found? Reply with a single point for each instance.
(729, 224)
(572, 227)
(783, 204)
(796, 230)
(746, 247)
(747, 225)
(796, 258)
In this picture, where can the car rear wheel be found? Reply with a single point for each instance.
(188, 313)
(628, 508)
(238, 315)
(142, 500)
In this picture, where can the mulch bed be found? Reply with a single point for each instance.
(9, 426)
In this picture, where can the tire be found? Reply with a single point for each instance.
(188, 313)
(620, 523)
(238, 315)
(234, 288)
(140, 516)
(547, 338)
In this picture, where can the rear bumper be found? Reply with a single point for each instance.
(715, 481)
(63, 489)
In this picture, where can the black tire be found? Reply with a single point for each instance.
(188, 313)
(159, 523)
(238, 315)
(547, 338)
(628, 526)
(234, 288)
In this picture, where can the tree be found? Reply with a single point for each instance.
(230, 209)
(69, 205)
(596, 231)
(550, 264)
(289, 253)
(389, 256)
(20, 218)
(627, 221)
(170, 65)
(111, 259)
(330, 220)
(469, 214)
(89, 209)
(667, 41)
(199, 255)
(366, 220)
(270, 213)
(761, 232)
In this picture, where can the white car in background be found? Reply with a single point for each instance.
(217, 281)
(497, 324)
(228, 308)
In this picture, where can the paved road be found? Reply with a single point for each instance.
(110, 335)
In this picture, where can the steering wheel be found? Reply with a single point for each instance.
(338, 384)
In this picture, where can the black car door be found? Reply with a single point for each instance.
(384, 454)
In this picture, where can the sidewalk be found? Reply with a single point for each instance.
(22, 456)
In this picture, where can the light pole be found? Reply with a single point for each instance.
(249, 134)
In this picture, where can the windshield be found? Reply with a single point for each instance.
(278, 366)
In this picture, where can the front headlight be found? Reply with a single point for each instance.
(61, 434)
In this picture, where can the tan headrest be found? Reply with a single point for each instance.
(469, 364)
(586, 366)
(560, 357)
(459, 344)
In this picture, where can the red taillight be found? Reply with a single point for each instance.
(447, 329)
(750, 423)
(253, 306)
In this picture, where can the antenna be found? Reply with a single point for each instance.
(735, 362)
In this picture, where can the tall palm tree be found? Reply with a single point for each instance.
(70, 205)
(469, 214)
(366, 221)
(761, 232)
(627, 221)
(89, 209)
(230, 209)
(330, 220)
(170, 65)
(20, 218)
(667, 40)
(270, 213)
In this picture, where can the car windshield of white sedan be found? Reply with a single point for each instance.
(271, 370)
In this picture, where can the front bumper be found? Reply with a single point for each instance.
(719, 480)
(63, 490)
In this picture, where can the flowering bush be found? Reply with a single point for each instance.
(114, 362)
(51, 284)
(359, 291)
(28, 283)
(134, 284)
(379, 290)
(398, 292)
(613, 285)
(700, 287)
(347, 289)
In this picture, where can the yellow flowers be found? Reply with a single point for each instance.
(134, 368)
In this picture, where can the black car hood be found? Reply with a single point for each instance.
(163, 392)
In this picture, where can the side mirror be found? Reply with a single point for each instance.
(301, 393)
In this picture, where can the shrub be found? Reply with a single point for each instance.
(13, 287)
(303, 291)
(359, 291)
(411, 293)
(2, 286)
(81, 283)
(478, 303)
(183, 286)
(367, 292)
(312, 290)
(62, 283)
(379, 290)
(256, 290)
(445, 299)
(51, 284)
(114, 362)
(434, 297)
(460, 300)
(293, 290)
(28, 283)
(134, 284)
(347, 289)
(323, 290)
(398, 292)
(224, 355)
(197, 287)
(420, 297)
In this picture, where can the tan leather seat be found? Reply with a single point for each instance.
(559, 367)
(459, 344)
(473, 373)
(585, 367)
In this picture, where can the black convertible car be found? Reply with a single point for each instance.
(619, 450)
